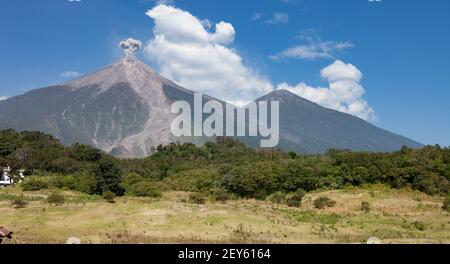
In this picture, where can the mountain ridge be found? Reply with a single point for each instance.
(125, 109)
(343, 128)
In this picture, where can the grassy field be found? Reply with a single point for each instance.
(396, 216)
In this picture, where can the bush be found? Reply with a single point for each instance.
(365, 207)
(19, 202)
(446, 205)
(131, 179)
(193, 180)
(145, 189)
(56, 199)
(85, 183)
(292, 154)
(421, 226)
(220, 195)
(197, 198)
(278, 197)
(109, 196)
(322, 202)
(63, 182)
(295, 199)
(34, 184)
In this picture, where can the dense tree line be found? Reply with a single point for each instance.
(221, 169)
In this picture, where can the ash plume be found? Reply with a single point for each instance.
(130, 46)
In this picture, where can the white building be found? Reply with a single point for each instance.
(5, 179)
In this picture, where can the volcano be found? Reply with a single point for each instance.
(123, 109)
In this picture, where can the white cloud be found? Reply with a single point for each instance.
(224, 34)
(314, 50)
(70, 74)
(344, 92)
(200, 60)
(278, 18)
(3, 98)
(257, 16)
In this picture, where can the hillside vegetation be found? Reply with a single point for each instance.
(225, 169)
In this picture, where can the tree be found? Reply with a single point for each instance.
(6, 148)
(85, 153)
(255, 180)
(108, 176)
(358, 176)
(297, 175)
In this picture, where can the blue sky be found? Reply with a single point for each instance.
(400, 47)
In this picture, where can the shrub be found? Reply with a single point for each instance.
(193, 180)
(365, 207)
(34, 184)
(145, 189)
(446, 205)
(322, 202)
(19, 202)
(295, 199)
(197, 198)
(220, 195)
(421, 226)
(56, 199)
(63, 182)
(86, 183)
(109, 196)
(131, 179)
(278, 197)
(292, 154)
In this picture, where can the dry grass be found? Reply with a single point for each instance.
(395, 216)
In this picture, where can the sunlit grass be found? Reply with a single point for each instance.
(396, 216)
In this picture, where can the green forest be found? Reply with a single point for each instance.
(220, 170)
